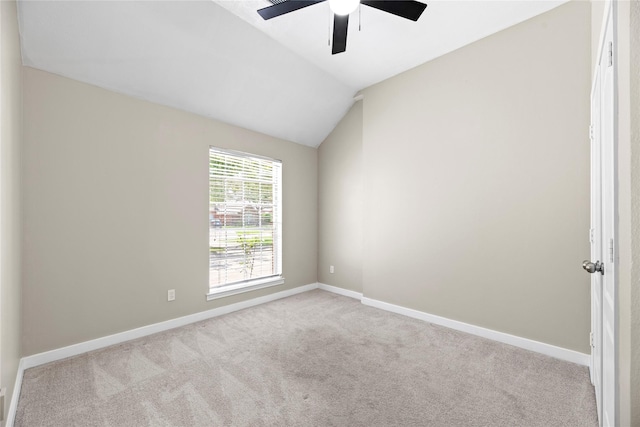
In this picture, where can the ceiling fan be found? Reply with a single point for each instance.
(341, 9)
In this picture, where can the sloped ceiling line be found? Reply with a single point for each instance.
(219, 59)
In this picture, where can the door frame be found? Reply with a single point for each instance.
(3, 409)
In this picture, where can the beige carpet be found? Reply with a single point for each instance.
(315, 359)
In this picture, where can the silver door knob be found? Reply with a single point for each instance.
(592, 268)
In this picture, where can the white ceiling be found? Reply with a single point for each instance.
(221, 60)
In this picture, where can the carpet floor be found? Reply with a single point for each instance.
(314, 359)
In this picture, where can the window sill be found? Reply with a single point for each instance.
(244, 287)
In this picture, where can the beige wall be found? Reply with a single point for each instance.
(116, 211)
(10, 227)
(340, 203)
(476, 177)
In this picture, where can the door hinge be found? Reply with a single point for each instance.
(591, 233)
(610, 54)
(610, 250)
(591, 132)
(591, 339)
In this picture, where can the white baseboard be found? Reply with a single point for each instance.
(340, 291)
(98, 343)
(80, 348)
(13, 405)
(525, 343)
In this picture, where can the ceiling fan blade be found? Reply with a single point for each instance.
(340, 25)
(285, 7)
(406, 9)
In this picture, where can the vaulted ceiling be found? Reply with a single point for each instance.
(220, 59)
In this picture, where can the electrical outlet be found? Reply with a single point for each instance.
(331, 270)
(171, 295)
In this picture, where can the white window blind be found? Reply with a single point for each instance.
(245, 220)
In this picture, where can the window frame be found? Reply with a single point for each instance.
(265, 281)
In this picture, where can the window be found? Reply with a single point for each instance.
(245, 222)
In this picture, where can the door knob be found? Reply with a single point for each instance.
(590, 267)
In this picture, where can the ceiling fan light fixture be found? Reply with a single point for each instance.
(408, 9)
(343, 7)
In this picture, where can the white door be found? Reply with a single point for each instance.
(609, 297)
(595, 236)
(603, 228)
